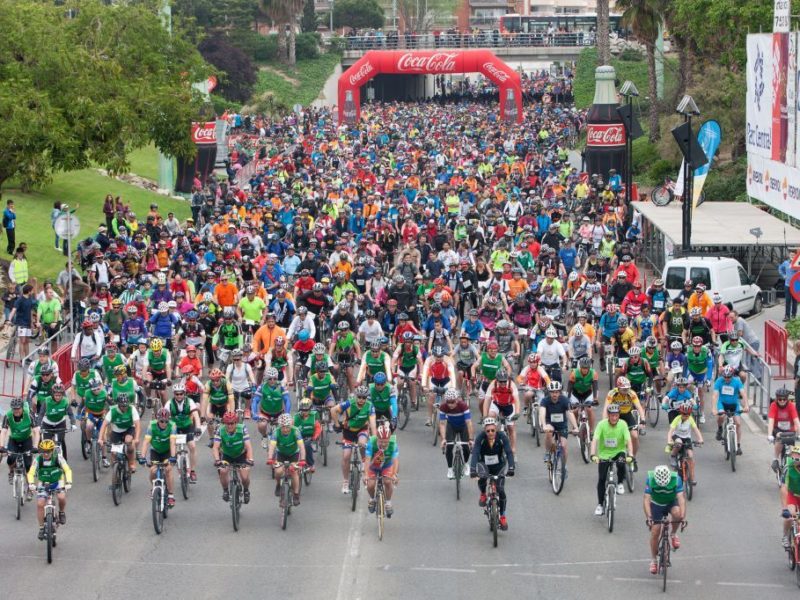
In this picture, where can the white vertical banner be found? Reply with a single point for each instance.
(758, 129)
(780, 16)
(791, 101)
(794, 108)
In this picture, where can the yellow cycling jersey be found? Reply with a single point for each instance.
(623, 400)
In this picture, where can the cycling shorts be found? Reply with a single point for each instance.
(698, 377)
(659, 511)
(348, 435)
(793, 500)
(159, 456)
(187, 431)
(723, 407)
(628, 418)
(237, 460)
(506, 410)
(382, 469)
(292, 458)
(41, 491)
(118, 437)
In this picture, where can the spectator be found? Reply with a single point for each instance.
(10, 225)
(790, 304)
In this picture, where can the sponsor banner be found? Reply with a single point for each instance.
(794, 110)
(775, 184)
(758, 126)
(780, 115)
(605, 134)
(204, 133)
(780, 16)
(438, 62)
(358, 77)
(791, 101)
(709, 138)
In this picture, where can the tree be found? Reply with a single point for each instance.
(89, 89)
(358, 14)
(603, 31)
(239, 73)
(279, 12)
(643, 18)
(308, 23)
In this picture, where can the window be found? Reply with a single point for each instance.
(743, 277)
(700, 275)
(675, 278)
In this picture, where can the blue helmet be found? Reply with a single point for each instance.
(380, 378)
(303, 336)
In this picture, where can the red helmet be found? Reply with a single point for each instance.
(384, 431)
(215, 374)
(229, 418)
(492, 345)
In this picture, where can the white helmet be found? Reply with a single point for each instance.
(551, 332)
(573, 276)
(489, 421)
(578, 331)
(635, 351)
(662, 475)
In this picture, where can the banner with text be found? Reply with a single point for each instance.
(775, 184)
(791, 101)
(758, 128)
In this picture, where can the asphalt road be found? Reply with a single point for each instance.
(433, 546)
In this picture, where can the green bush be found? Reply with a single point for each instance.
(726, 184)
(631, 55)
(337, 44)
(261, 48)
(307, 45)
(267, 49)
(661, 169)
(644, 155)
(793, 328)
(220, 104)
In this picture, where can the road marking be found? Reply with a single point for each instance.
(554, 575)
(502, 565)
(645, 579)
(747, 584)
(443, 570)
(348, 580)
(630, 560)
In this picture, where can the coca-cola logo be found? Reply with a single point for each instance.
(362, 72)
(499, 75)
(439, 62)
(204, 133)
(605, 134)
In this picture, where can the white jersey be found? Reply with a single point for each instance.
(239, 377)
(372, 333)
(550, 354)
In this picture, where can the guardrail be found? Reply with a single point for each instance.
(775, 345)
(485, 39)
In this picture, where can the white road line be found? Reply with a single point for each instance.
(443, 570)
(645, 579)
(202, 565)
(747, 584)
(348, 580)
(502, 565)
(553, 575)
(631, 560)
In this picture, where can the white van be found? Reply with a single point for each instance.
(723, 275)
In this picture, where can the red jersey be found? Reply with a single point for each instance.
(534, 379)
(438, 371)
(502, 396)
(784, 417)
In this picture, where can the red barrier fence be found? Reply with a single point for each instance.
(12, 373)
(776, 342)
(65, 367)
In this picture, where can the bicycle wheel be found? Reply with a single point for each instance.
(355, 480)
(458, 470)
(494, 520)
(732, 447)
(684, 468)
(50, 535)
(126, 478)
(158, 515)
(797, 576)
(86, 446)
(12, 346)
(233, 492)
(536, 427)
(558, 472)
(380, 510)
(653, 409)
(116, 483)
(661, 196)
(19, 493)
(435, 426)
(286, 503)
(790, 556)
(664, 556)
(307, 474)
(323, 444)
(95, 461)
(184, 474)
(405, 410)
(611, 501)
(630, 483)
(583, 438)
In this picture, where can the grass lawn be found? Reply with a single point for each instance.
(87, 188)
(144, 162)
(301, 85)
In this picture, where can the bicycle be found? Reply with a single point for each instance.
(556, 469)
(665, 547)
(533, 415)
(90, 449)
(651, 404)
(286, 492)
(380, 503)
(121, 475)
(610, 497)
(403, 400)
(439, 394)
(11, 348)
(182, 455)
(793, 550)
(787, 440)
(235, 490)
(324, 441)
(158, 496)
(300, 380)
(584, 433)
(19, 482)
(684, 470)
(492, 508)
(730, 442)
(51, 519)
(458, 461)
(630, 483)
(356, 466)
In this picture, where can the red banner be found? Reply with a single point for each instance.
(428, 62)
(204, 133)
(608, 134)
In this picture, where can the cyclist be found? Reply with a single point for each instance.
(626, 400)
(122, 384)
(271, 400)
(663, 495)
(533, 378)
(555, 415)
(790, 493)
(374, 361)
(493, 449)
(217, 399)
(502, 402)
(611, 442)
(231, 446)
(157, 370)
(53, 473)
(781, 418)
(635, 369)
(582, 388)
(382, 458)
(732, 353)
(455, 418)
(677, 397)
(121, 426)
(94, 404)
(697, 358)
(729, 395)
(674, 322)
(344, 346)
(286, 445)
(19, 433)
(228, 335)
(279, 358)
(308, 421)
(407, 358)
(359, 424)
(110, 361)
(82, 380)
(163, 324)
(159, 438)
(242, 379)
(437, 372)
(53, 415)
(679, 436)
(384, 398)
(41, 386)
(552, 354)
(321, 386)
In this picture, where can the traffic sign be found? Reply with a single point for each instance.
(67, 227)
(796, 261)
(794, 286)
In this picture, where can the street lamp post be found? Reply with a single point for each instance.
(688, 109)
(629, 91)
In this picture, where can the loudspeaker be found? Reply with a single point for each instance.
(683, 135)
(629, 120)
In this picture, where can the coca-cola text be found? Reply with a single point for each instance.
(362, 72)
(499, 75)
(439, 62)
(605, 134)
(204, 133)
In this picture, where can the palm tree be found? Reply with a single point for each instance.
(602, 33)
(294, 10)
(643, 17)
(279, 13)
(683, 44)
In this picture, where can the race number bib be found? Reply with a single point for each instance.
(727, 390)
(610, 443)
(491, 459)
(180, 439)
(467, 284)
(658, 304)
(523, 331)
(557, 418)
(784, 425)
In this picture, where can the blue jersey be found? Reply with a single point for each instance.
(608, 323)
(675, 398)
(729, 392)
(472, 329)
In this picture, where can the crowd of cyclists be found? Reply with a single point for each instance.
(433, 256)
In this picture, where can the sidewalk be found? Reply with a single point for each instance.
(329, 96)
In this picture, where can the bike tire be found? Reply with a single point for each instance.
(307, 474)
(20, 493)
(435, 427)
(354, 481)
(287, 503)
(233, 490)
(405, 411)
(661, 196)
(583, 438)
(653, 410)
(732, 446)
(458, 470)
(611, 501)
(791, 561)
(664, 558)
(184, 479)
(536, 427)
(126, 479)
(380, 509)
(494, 521)
(95, 461)
(323, 444)
(50, 536)
(85, 446)
(116, 484)
(558, 473)
(158, 515)
(630, 482)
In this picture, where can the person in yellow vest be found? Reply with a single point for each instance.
(18, 269)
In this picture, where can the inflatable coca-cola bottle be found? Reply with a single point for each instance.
(510, 107)
(605, 133)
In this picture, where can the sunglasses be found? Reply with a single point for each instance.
(491, 430)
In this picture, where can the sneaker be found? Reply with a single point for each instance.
(106, 463)
(62, 518)
(702, 418)
(389, 509)
(277, 490)
(546, 458)
(192, 477)
(620, 489)
(371, 506)
(775, 465)
(427, 424)
(482, 500)
(346, 487)
(719, 434)
(450, 473)
(693, 482)
(785, 542)
(635, 466)
(226, 496)
(676, 543)
(170, 500)
(673, 462)
(738, 452)
(41, 533)
(312, 469)
(598, 511)
(246, 497)
(503, 523)
(295, 499)
(653, 567)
